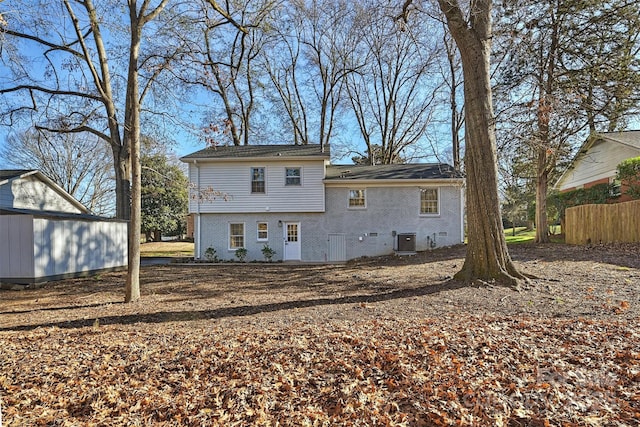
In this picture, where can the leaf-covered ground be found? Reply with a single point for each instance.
(385, 341)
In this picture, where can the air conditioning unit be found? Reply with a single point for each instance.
(406, 242)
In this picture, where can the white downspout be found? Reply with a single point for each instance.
(462, 203)
(197, 224)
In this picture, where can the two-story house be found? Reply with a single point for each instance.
(290, 198)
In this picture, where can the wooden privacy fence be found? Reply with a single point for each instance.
(619, 222)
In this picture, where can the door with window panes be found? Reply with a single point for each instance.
(292, 248)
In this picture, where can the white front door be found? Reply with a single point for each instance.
(291, 241)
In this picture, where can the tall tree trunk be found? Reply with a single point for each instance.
(455, 122)
(132, 136)
(122, 167)
(487, 254)
(546, 104)
(132, 139)
(542, 183)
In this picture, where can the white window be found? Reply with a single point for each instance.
(293, 176)
(357, 198)
(257, 180)
(263, 231)
(236, 235)
(429, 203)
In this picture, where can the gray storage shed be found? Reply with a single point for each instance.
(45, 234)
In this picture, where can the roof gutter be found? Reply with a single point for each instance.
(392, 182)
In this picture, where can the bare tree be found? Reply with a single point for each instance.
(222, 58)
(306, 62)
(393, 94)
(568, 69)
(80, 164)
(77, 92)
(453, 81)
(67, 83)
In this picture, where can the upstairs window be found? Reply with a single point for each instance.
(257, 180)
(293, 176)
(429, 201)
(357, 199)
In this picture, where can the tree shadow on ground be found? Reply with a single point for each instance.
(620, 254)
(60, 308)
(246, 310)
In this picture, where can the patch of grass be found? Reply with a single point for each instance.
(166, 249)
(524, 235)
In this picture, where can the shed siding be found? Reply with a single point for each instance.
(599, 163)
(6, 196)
(16, 246)
(233, 180)
(37, 249)
(31, 193)
(71, 246)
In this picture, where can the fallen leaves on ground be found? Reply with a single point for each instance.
(463, 370)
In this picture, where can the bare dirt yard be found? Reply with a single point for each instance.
(378, 341)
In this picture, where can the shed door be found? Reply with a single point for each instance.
(337, 248)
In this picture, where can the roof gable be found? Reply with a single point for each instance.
(10, 175)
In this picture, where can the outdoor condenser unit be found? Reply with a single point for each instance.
(407, 242)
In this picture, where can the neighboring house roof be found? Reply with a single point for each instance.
(627, 143)
(630, 137)
(8, 175)
(412, 171)
(57, 215)
(246, 152)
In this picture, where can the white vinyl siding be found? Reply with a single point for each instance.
(37, 248)
(232, 180)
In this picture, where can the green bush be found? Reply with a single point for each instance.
(210, 254)
(268, 253)
(241, 254)
(629, 176)
(598, 194)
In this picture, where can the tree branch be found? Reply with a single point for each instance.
(78, 129)
(32, 88)
(214, 4)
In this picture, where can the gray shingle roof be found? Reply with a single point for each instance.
(58, 215)
(405, 171)
(259, 151)
(630, 137)
(12, 173)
